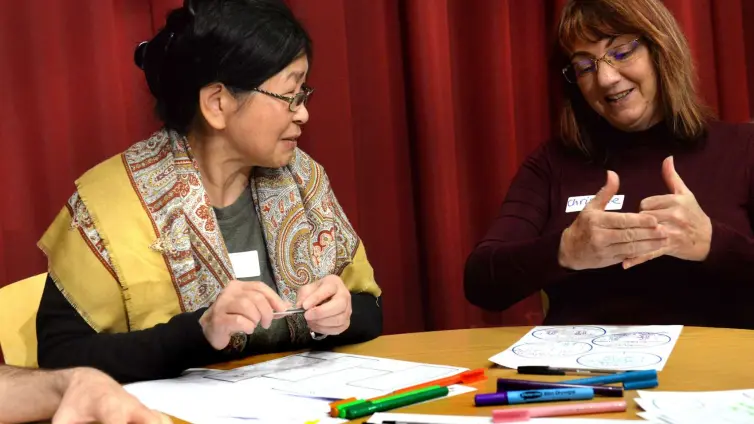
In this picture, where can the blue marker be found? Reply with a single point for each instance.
(529, 396)
(623, 377)
(640, 385)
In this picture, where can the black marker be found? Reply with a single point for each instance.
(545, 370)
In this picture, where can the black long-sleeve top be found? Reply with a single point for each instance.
(66, 340)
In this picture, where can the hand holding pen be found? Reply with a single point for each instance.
(240, 308)
(328, 305)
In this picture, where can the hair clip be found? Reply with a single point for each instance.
(140, 54)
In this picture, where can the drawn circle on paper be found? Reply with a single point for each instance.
(638, 339)
(619, 360)
(562, 334)
(551, 350)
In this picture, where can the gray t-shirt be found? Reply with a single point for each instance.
(242, 231)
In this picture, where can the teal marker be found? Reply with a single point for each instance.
(639, 385)
(624, 377)
(397, 401)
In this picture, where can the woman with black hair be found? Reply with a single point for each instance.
(189, 247)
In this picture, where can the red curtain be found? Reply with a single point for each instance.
(423, 111)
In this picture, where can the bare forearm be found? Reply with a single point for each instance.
(30, 395)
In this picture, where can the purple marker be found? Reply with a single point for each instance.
(529, 396)
(508, 384)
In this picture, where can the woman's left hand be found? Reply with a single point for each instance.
(688, 228)
(328, 305)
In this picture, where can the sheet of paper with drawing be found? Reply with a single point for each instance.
(719, 407)
(593, 347)
(294, 388)
(337, 375)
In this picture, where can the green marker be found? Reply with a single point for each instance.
(401, 395)
(397, 401)
(342, 408)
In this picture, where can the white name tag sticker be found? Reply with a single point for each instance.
(245, 264)
(577, 203)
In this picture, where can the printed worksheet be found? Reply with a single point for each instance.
(719, 407)
(336, 375)
(593, 347)
(293, 389)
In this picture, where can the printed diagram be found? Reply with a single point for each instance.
(558, 334)
(335, 375)
(593, 347)
(619, 360)
(275, 366)
(549, 350)
(632, 340)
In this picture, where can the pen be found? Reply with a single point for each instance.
(466, 377)
(288, 312)
(523, 414)
(334, 412)
(527, 396)
(507, 384)
(403, 422)
(342, 408)
(545, 370)
(397, 401)
(641, 385)
(623, 377)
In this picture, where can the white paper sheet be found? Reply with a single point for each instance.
(336, 375)
(458, 419)
(295, 389)
(719, 407)
(199, 400)
(210, 406)
(593, 347)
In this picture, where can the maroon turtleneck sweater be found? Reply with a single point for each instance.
(519, 254)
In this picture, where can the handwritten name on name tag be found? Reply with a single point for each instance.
(577, 203)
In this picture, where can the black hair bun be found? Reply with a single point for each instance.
(238, 43)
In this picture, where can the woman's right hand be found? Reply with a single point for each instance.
(240, 307)
(597, 239)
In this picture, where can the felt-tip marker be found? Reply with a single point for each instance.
(529, 396)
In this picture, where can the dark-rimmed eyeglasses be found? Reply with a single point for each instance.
(295, 102)
(615, 57)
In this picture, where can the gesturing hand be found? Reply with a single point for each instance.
(597, 239)
(328, 305)
(688, 228)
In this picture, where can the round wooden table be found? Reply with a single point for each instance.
(703, 359)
